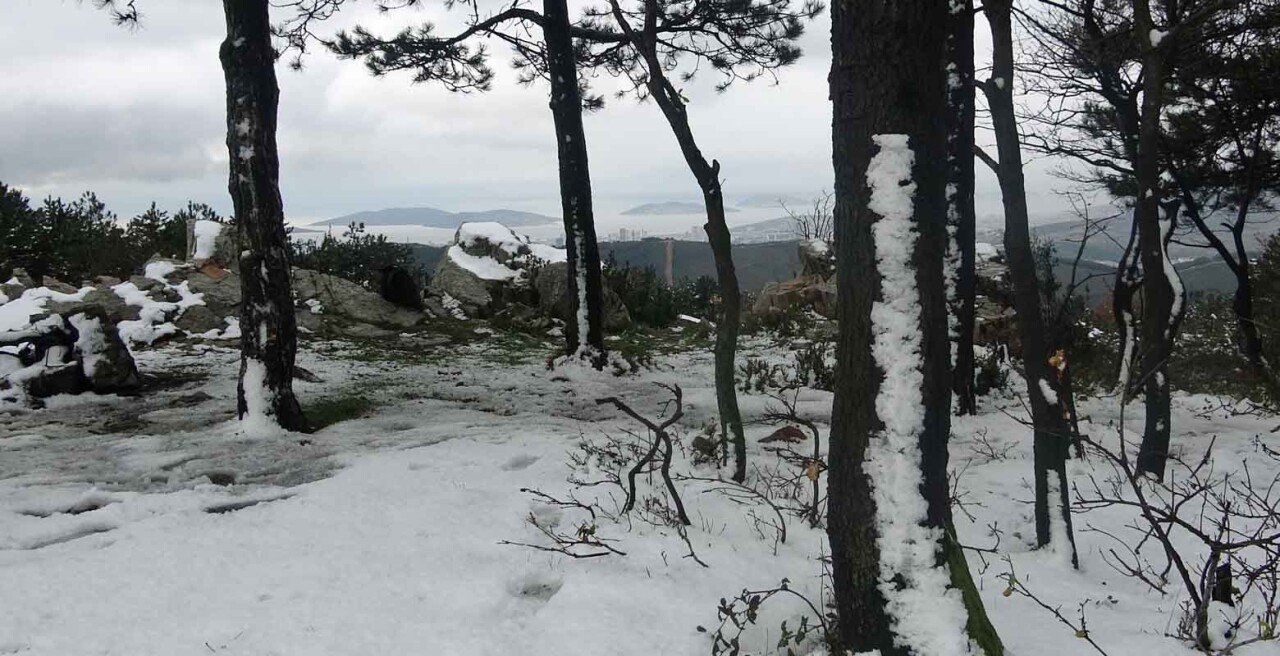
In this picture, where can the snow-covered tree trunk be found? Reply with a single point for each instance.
(1044, 389)
(584, 332)
(1162, 297)
(892, 544)
(961, 259)
(268, 342)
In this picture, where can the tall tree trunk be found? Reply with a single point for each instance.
(1048, 409)
(268, 328)
(888, 87)
(584, 331)
(960, 212)
(1250, 339)
(1162, 289)
(707, 175)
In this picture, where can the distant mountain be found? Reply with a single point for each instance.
(670, 207)
(437, 218)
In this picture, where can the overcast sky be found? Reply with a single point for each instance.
(137, 116)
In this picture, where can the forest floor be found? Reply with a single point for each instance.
(153, 525)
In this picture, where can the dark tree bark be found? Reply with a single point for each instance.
(1162, 303)
(1128, 281)
(707, 175)
(268, 329)
(960, 212)
(584, 330)
(1044, 389)
(888, 78)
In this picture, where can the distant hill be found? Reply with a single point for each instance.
(669, 207)
(432, 217)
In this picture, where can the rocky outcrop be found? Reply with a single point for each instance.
(803, 292)
(490, 271)
(817, 258)
(552, 285)
(56, 355)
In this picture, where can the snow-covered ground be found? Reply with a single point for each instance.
(387, 534)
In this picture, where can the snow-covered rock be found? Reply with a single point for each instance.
(488, 266)
(816, 258)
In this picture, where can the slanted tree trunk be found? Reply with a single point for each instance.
(584, 331)
(1162, 302)
(1236, 257)
(1044, 389)
(707, 175)
(888, 87)
(960, 212)
(268, 329)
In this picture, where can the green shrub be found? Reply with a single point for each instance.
(652, 303)
(356, 256)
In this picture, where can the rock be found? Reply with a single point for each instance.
(57, 285)
(107, 281)
(103, 356)
(199, 319)
(552, 284)
(221, 289)
(65, 378)
(518, 316)
(22, 278)
(343, 298)
(399, 288)
(816, 258)
(467, 288)
(144, 283)
(803, 292)
(97, 299)
(364, 330)
(435, 307)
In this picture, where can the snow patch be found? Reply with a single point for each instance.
(1050, 396)
(206, 234)
(927, 614)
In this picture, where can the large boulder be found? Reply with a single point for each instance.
(803, 292)
(104, 357)
(489, 266)
(816, 258)
(552, 284)
(81, 353)
(339, 299)
(464, 285)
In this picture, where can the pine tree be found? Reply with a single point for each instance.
(1044, 388)
(891, 417)
(269, 336)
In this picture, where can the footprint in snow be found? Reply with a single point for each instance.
(536, 586)
(519, 462)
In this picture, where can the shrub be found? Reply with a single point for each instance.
(651, 302)
(356, 256)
